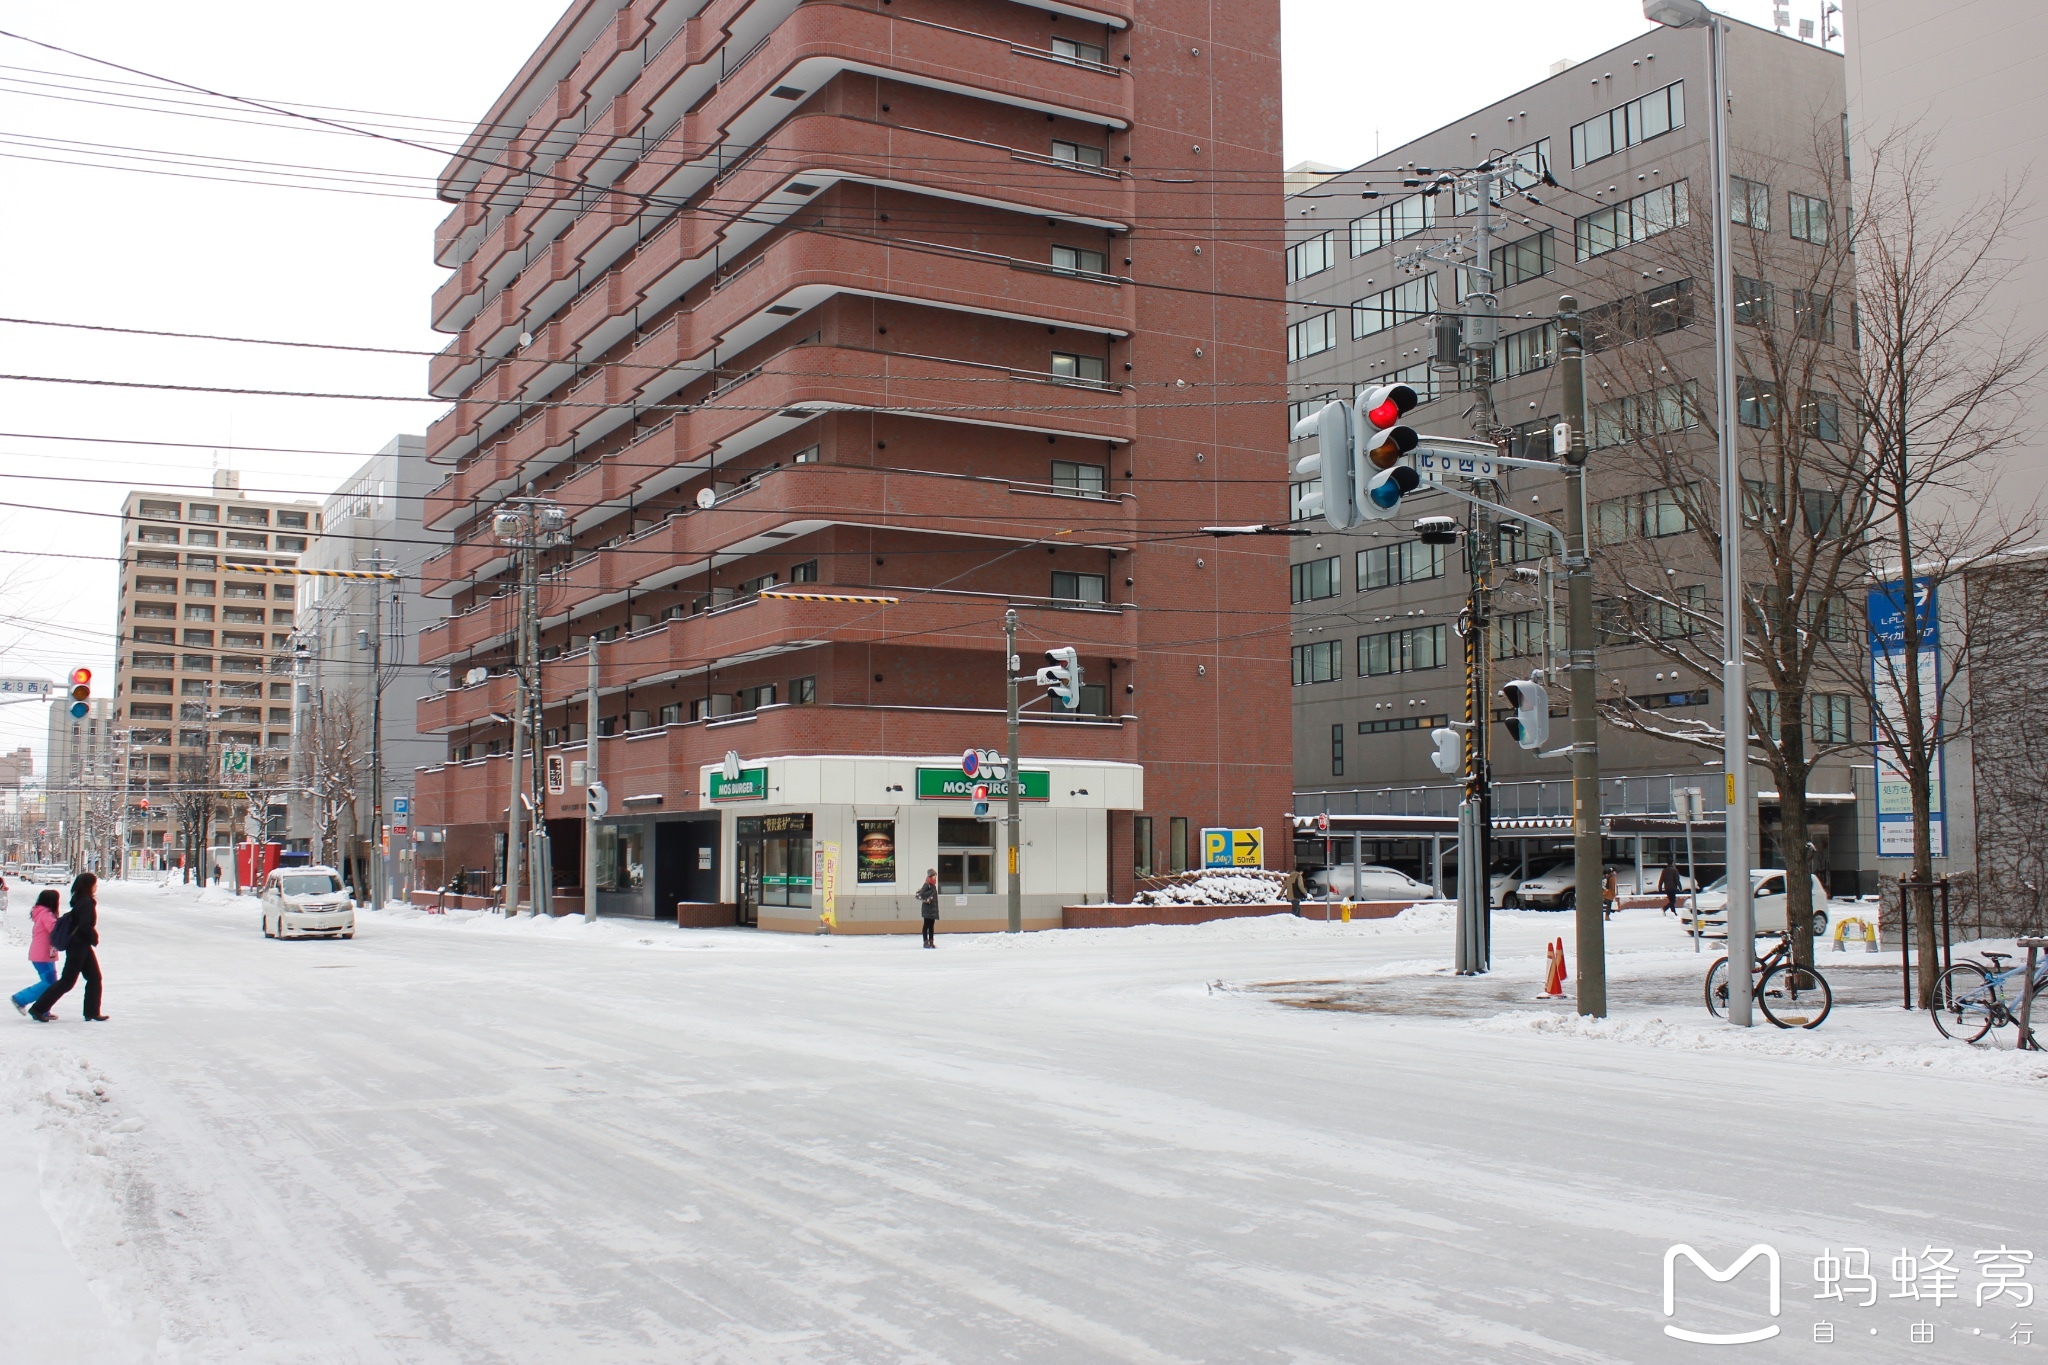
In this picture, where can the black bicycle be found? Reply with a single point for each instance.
(1791, 996)
(1969, 1000)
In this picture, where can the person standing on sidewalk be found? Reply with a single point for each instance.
(42, 919)
(79, 958)
(928, 905)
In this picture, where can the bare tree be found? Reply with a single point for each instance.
(1804, 525)
(1944, 385)
(193, 801)
(337, 763)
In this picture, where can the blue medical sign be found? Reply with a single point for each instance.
(1886, 609)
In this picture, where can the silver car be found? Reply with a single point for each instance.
(307, 902)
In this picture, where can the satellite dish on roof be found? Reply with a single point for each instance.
(705, 497)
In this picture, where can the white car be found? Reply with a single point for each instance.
(1768, 897)
(1556, 888)
(300, 902)
(1372, 884)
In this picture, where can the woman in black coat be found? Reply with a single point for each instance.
(79, 958)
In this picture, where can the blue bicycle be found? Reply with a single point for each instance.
(1970, 1000)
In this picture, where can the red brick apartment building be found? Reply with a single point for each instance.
(972, 303)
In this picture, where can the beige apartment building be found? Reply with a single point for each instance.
(204, 653)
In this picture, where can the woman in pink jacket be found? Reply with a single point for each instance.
(40, 955)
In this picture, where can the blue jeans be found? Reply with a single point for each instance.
(27, 994)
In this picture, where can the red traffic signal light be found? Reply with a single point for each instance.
(81, 690)
(1388, 404)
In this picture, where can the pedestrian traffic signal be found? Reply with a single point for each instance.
(1531, 700)
(81, 692)
(980, 793)
(1062, 674)
(1450, 751)
(1333, 462)
(596, 801)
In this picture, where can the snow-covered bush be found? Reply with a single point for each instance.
(1216, 886)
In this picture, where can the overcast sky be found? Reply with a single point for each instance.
(153, 247)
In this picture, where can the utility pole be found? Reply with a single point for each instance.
(512, 845)
(1681, 14)
(1587, 892)
(528, 525)
(378, 891)
(1015, 778)
(590, 780)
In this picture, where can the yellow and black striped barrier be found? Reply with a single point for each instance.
(312, 573)
(778, 596)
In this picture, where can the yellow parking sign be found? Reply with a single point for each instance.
(1234, 847)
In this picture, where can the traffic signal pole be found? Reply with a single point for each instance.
(1012, 811)
(1588, 888)
(589, 805)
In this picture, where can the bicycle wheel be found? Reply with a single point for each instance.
(1961, 1003)
(1794, 997)
(1717, 988)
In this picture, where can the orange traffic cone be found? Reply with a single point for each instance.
(1554, 973)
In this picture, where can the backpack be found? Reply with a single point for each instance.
(60, 933)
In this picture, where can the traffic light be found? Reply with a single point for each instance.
(1333, 461)
(81, 692)
(980, 794)
(597, 802)
(1450, 751)
(1531, 700)
(1062, 674)
(1384, 445)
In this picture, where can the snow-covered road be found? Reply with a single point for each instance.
(457, 1139)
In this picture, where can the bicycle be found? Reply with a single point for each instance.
(1790, 996)
(1969, 1001)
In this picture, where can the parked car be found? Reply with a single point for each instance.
(1373, 884)
(48, 874)
(1767, 895)
(1556, 888)
(301, 902)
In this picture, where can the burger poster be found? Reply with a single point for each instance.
(876, 860)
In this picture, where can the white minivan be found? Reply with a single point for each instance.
(303, 902)
(1767, 894)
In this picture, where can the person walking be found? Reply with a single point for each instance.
(42, 919)
(1610, 894)
(79, 958)
(1668, 884)
(928, 905)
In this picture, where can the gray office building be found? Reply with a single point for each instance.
(371, 522)
(1609, 155)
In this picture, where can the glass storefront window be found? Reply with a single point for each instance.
(621, 857)
(775, 859)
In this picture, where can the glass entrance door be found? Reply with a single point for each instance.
(774, 863)
(748, 871)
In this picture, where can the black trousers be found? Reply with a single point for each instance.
(77, 962)
(931, 926)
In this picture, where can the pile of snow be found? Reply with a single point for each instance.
(1864, 1035)
(1248, 886)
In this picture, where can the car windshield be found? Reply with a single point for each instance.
(1718, 884)
(309, 884)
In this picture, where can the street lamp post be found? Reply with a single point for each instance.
(1734, 688)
